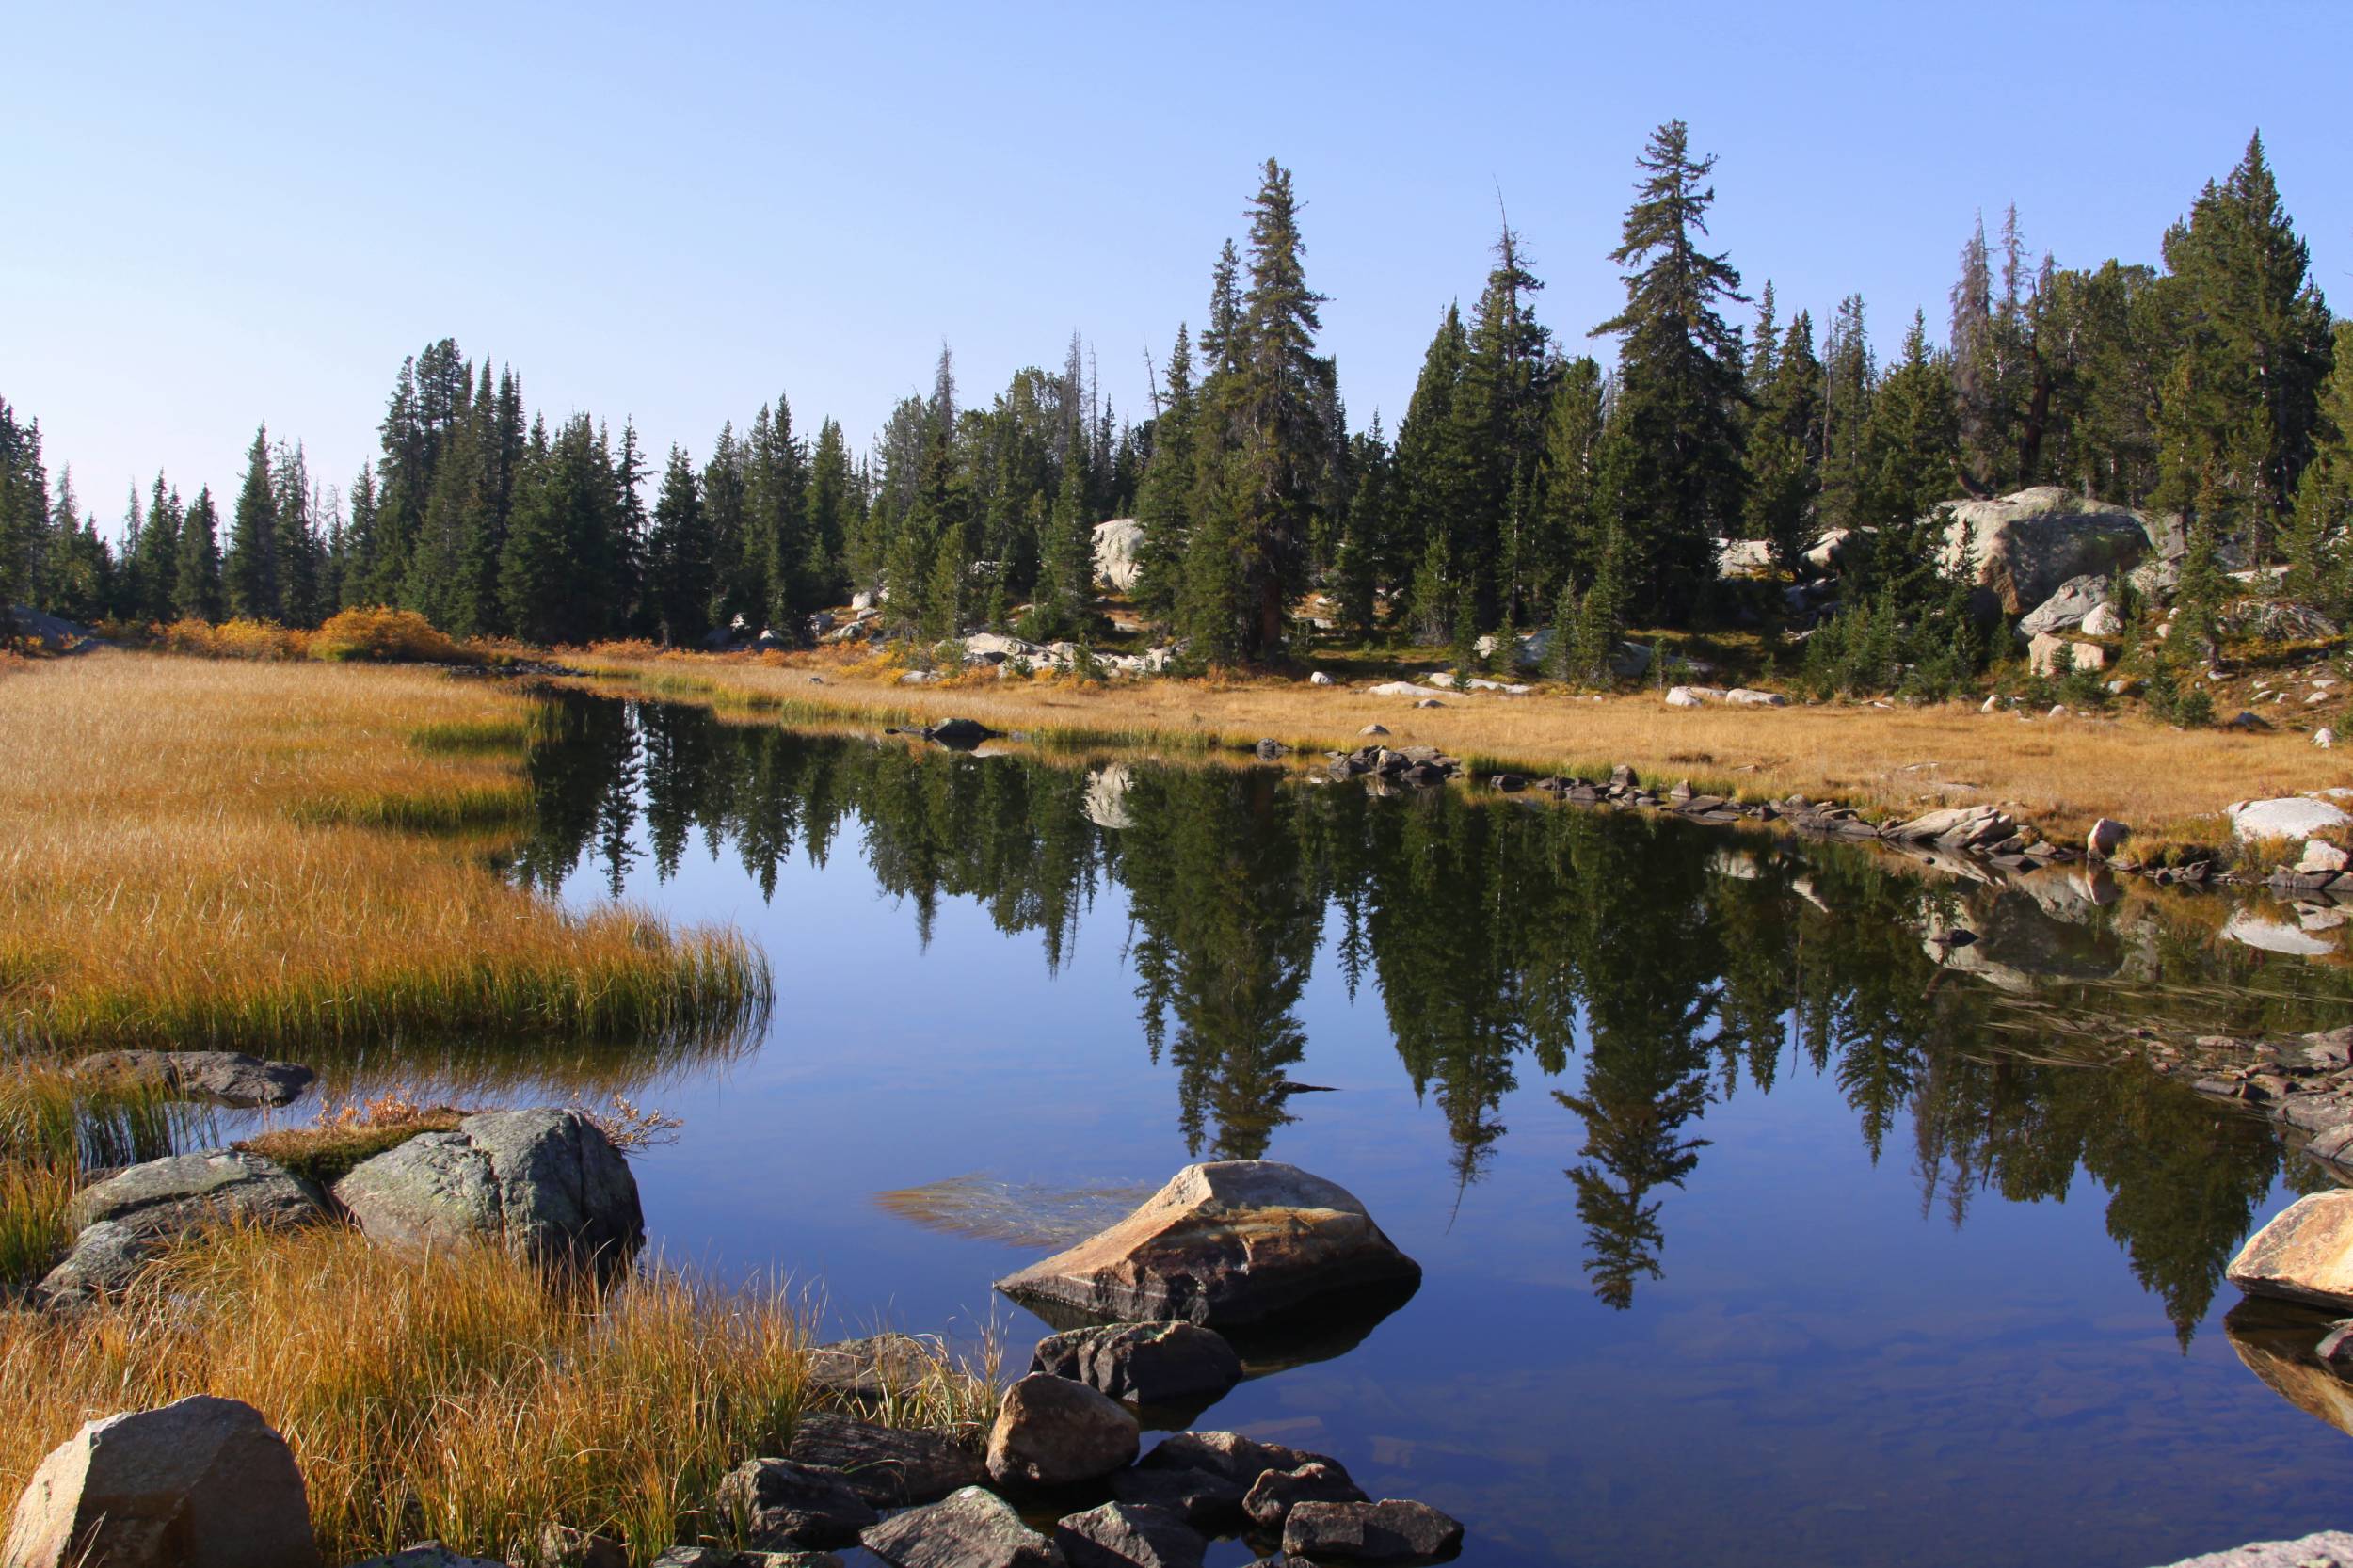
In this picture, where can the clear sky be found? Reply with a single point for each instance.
(224, 214)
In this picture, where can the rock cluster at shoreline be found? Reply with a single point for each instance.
(2304, 1082)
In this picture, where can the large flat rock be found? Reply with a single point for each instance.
(170, 1197)
(2328, 1549)
(1229, 1241)
(2305, 1255)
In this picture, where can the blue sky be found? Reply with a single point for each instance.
(672, 212)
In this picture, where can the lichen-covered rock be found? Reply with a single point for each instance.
(871, 1369)
(199, 1483)
(783, 1503)
(1051, 1432)
(1391, 1531)
(2304, 1255)
(105, 1262)
(1145, 1363)
(170, 1197)
(971, 1528)
(1128, 1535)
(888, 1467)
(2025, 545)
(545, 1182)
(1230, 1242)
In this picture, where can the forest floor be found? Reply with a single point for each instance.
(2058, 774)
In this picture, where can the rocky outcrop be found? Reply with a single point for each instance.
(2328, 1549)
(2068, 608)
(1230, 1242)
(544, 1182)
(1143, 1363)
(171, 1197)
(2047, 651)
(783, 1504)
(2025, 545)
(973, 1528)
(2304, 1255)
(888, 1467)
(1128, 1535)
(199, 1483)
(217, 1077)
(1119, 552)
(1051, 1432)
(1957, 826)
(2284, 817)
(1392, 1530)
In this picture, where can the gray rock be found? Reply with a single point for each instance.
(888, 1467)
(784, 1503)
(1275, 1492)
(1119, 552)
(105, 1262)
(562, 1546)
(1128, 1535)
(1145, 1363)
(199, 1483)
(1230, 1242)
(2107, 837)
(1209, 1503)
(2069, 606)
(972, 1529)
(1051, 1432)
(2025, 545)
(223, 1077)
(1232, 1457)
(2328, 1549)
(2304, 1255)
(721, 1556)
(171, 1197)
(871, 1369)
(1374, 730)
(546, 1182)
(1268, 750)
(2284, 817)
(1391, 1531)
(959, 733)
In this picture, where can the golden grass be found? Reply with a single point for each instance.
(2060, 773)
(197, 857)
(453, 1394)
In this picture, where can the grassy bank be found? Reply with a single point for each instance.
(248, 854)
(452, 1395)
(2060, 773)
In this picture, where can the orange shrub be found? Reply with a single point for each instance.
(233, 639)
(388, 636)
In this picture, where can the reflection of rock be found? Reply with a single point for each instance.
(1018, 1214)
(224, 1077)
(2018, 943)
(1229, 1241)
(2278, 1342)
(2252, 929)
(2304, 1255)
(1107, 796)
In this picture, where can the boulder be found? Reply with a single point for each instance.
(2325, 738)
(171, 1197)
(1392, 1530)
(2045, 648)
(1628, 659)
(1231, 1456)
(1374, 730)
(1143, 1363)
(1748, 696)
(972, 1529)
(199, 1483)
(2321, 858)
(1229, 1241)
(2025, 545)
(2104, 621)
(871, 1369)
(1826, 552)
(783, 1503)
(222, 1077)
(1119, 552)
(1957, 826)
(105, 1262)
(2304, 1255)
(2284, 817)
(2107, 837)
(1128, 1535)
(1051, 1432)
(1211, 1504)
(920, 677)
(1268, 750)
(1395, 688)
(1275, 1492)
(545, 1182)
(1743, 558)
(1317, 678)
(2068, 608)
(888, 1467)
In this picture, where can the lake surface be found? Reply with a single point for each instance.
(1750, 1233)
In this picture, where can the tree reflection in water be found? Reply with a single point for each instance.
(1684, 964)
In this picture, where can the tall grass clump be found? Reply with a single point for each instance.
(52, 1130)
(453, 1394)
(198, 857)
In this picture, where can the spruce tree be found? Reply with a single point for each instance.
(2320, 561)
(1571, 524)
(195, 590)
(1066, 587)
(1363, 546)
(249, 565)
(1785, 441)
(830, 506)
(1164, 500)
(1680, 371)
(679, 567)
(1498, 412)
(159, 551)
(1848, 378)
(1433, 475)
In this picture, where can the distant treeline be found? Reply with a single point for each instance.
(1525, 484)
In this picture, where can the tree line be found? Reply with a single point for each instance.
(1526, 484)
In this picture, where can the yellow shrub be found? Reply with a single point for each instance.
(233, 639)
(400, 636)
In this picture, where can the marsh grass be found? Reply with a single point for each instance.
(474, 737)
(53, 1131)
(450, 1394)
(199, 858)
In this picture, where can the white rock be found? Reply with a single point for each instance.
(2321, 856)
(1119, 551)
(2023, 546)
(1991, 704)
(2107, 837)
(1746, 696)
(2043, 654)
(2324, 737)
(2103, 622)
(1106, 800)
(1319, 678)
(2284, 817)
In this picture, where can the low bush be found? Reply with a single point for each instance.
(384, 636)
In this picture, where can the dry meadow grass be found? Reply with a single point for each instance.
(2060, 773)
(238, 854)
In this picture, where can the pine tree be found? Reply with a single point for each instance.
(24, 506)
(1434, 476)
(1585, 641)
(1912, 437)
(196, 591)
(2320, 549)
(249, 565)
(295, 543)
(1164, 500)
(1498, 412)
(1571, 526)
(1848, 378)
(1680, 371)
(159, 553)
(726, 505)
(1065, 588)
(679, 565)
(831, 505)
(1364, 545)
(1785, 441)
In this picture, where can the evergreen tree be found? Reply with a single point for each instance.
(195, 590)
(1911, 437)
(831, 506)
(1499, 414)
(1364, 545)
(2321, 533)
(1680, 371)
(159, 554)
(1848, 378)
(1066, 587)
(1784, 443)
(1164, 499)
(249, 565)
(1572, 524)
(355, 573)
(1588, 626)
(679, 563)
(727, 509)
(1433, 474)
(296, 542)
(24, 506)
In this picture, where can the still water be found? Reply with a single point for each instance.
(1750, 1233)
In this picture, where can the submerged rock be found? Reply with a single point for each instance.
(1147, 1363)
(973, 1528)
(2304, 1255)
(1051, 1432)
(199, 1483)
(546, 1182)
(1229, 1241)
